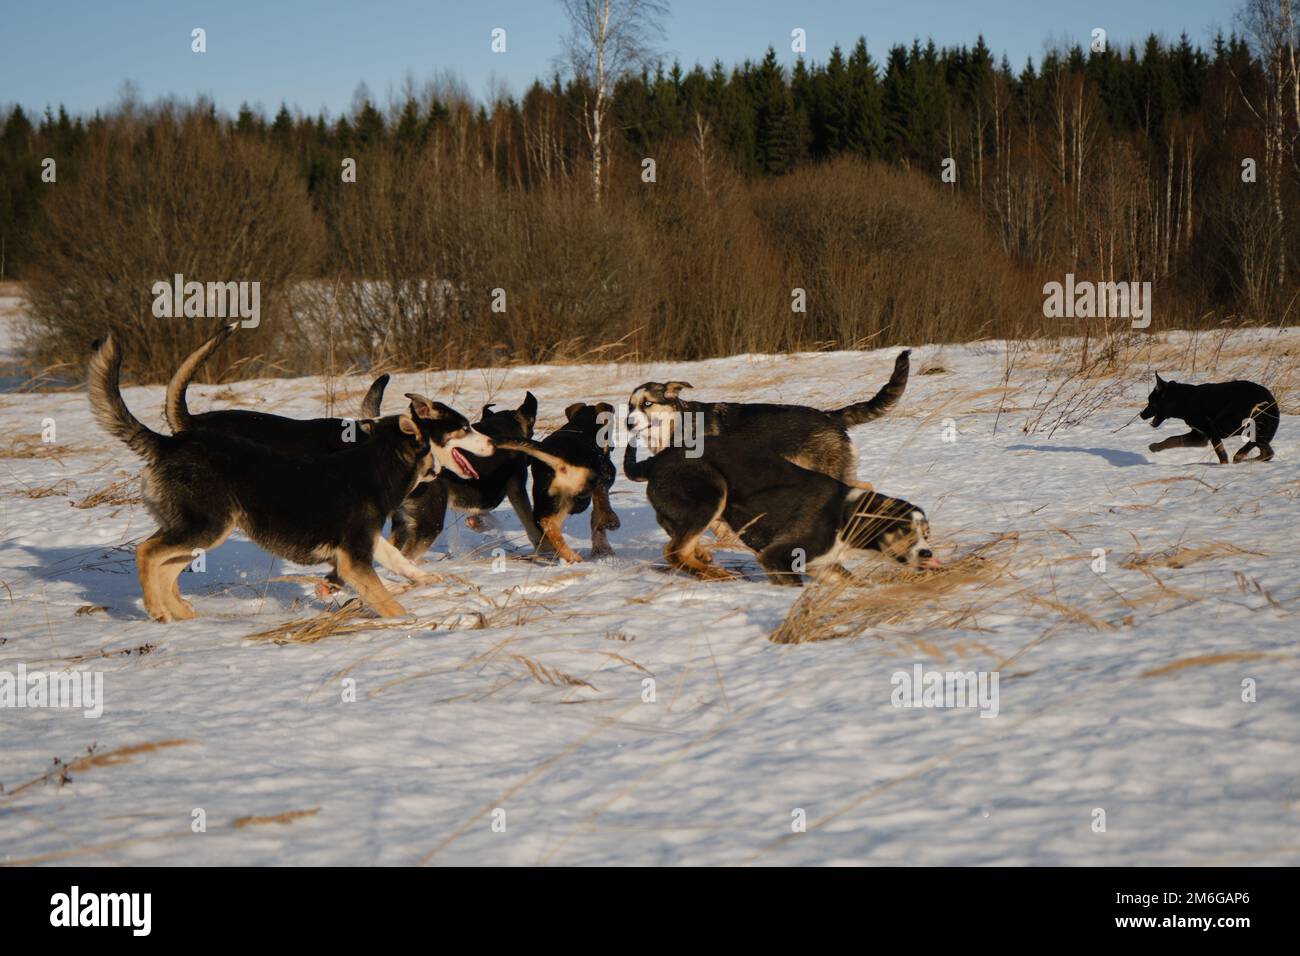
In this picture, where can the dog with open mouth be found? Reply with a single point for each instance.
(483, 485)
(1215, 411)
(796, 521)
(203, 483)
(452, 437)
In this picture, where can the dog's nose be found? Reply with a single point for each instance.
(925, 554)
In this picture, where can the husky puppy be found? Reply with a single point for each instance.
(203, 483)
(814, 439)
(571, 470)
(1215, 411)
(796, 521)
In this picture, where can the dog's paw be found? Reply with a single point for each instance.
(609, 523)
(1154, 446)
(327, 588)
(184, 611)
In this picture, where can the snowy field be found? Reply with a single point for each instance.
(614, 713)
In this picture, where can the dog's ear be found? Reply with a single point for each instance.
(1160, 382)
(605, 408)
(422, 407)
(365, 425)
(485, 411)
(673, 389)
(407, 424)
(529, 407)
(574, 409)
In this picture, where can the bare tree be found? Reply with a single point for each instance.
(607, 40)
(1271, 26)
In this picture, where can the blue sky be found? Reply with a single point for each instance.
(312, 55)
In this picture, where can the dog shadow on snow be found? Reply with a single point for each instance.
(1115, 456)
(105, 576)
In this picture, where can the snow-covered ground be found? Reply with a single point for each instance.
(611, 712)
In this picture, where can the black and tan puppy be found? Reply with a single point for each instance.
(504, 474)
(571, 470)
(1215, 411)
(453, 438)
(202, 483)
(290, 435)
(818, 440)
(796, 521)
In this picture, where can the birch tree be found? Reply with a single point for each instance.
(608, 39)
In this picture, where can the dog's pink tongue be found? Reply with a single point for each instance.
(464, 462)
(934, 563)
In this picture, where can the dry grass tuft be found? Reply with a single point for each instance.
(61, 487)
(896, 596)
(31, 446)
(347, 619)
(1180, 556)
(282, 818)
(61, 772)
(550, 675)
(353, 617)
(1206, 660)
(116, 494)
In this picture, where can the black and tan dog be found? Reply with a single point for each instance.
(455, 441)
(796, 521)
(504, 474)
(814, 439)
(203, 483)
(571, 470)
(1215, 411)
(289, 435)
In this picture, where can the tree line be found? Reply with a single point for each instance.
(1166, 162)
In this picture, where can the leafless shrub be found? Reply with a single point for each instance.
(152, 202)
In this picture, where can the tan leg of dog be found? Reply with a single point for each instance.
(398, 563)
(684, 556)
(172, 559)
(146, 562)
(366, 583)
(551, 530)
(181, 609)
(160, 563)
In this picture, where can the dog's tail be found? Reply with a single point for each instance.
(533, 449)
(633, 469)
(104, 385)
(882, 401)
(175, 410)
(374, 397)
